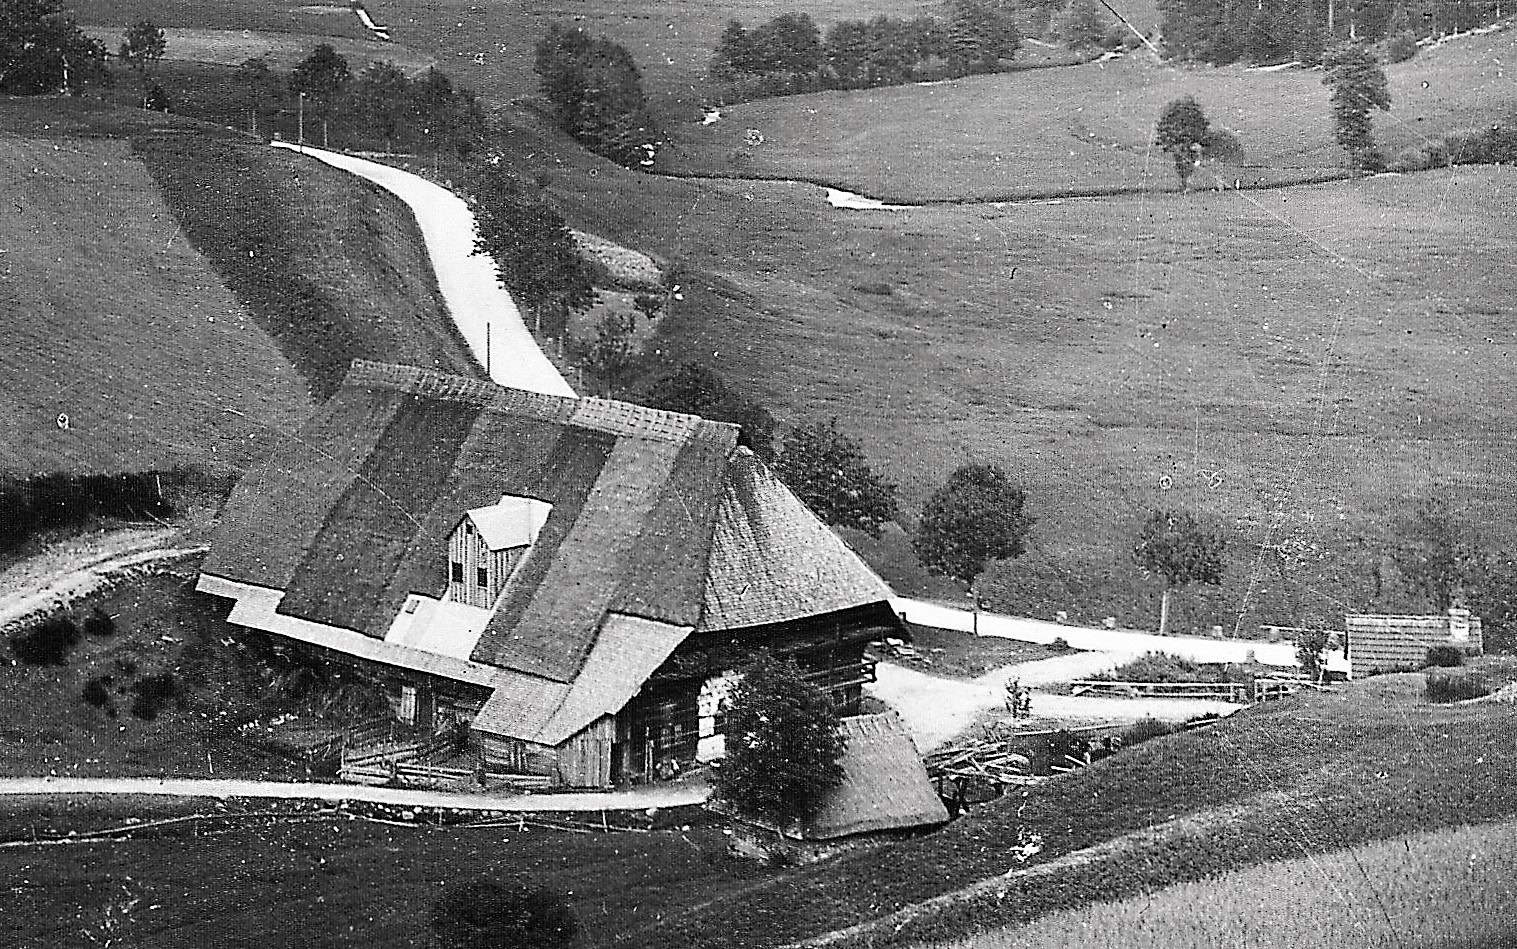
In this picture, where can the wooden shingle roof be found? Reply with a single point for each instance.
(885, 785)
(654, 516)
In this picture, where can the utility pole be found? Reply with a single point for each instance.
(300, 135)
(487, 352)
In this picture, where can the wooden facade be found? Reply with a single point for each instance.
(477, 574)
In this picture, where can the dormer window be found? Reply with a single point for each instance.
(488, 544)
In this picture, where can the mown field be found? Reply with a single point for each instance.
(309, 881)
(1083, 129)
(1444, 888)
(1296, 780)
(181, 293)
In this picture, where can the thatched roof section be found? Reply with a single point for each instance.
(654, 516)
(885, 785)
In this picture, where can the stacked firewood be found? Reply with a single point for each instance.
(986, 759)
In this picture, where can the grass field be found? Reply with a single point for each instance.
(108, 314)
(1083, 129)
(1445, 888)
(1295, 780)
(959, 655)
(331, 18)
(179, 292)
(281, 50)
(324, 882)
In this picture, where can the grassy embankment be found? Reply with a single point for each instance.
(182, 293)
(1083, 129)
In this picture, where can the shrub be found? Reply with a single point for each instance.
(1400, 48)
(1144, 729)
(1445, 656)
(1117, 37)
(1456, 686)
(484, 914)
(96, 693)
(1223, 146)
(48, 643)
(1163, 667)
(152, 693)
(99, 623)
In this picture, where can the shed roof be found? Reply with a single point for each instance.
(885, 785)
(645, 514)
(1390, 643)
(510, 522)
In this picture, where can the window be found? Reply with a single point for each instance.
(469, 527)
(458, 572)
(483, 576)
(408, 704)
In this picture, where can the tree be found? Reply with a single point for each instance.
(259, 84)
(321, 77)
(977, 516)
(595, 90)
(735, 56)
(981, 33)
(539, 261)
(1358, 85)
(42, 49)
(382, 98)
(697, 390)
(1435, 555)
(826, 469)
(611, 354)
(1181, 132)
(483, 914)
(783, 744)
(142, 47)
(449, 118)
(1310, 646)
(1181, 550)
(1083, 25)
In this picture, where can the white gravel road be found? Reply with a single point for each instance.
(470, 284)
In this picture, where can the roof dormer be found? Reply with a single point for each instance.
(488, 543)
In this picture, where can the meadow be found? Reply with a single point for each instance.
(1083, 129)
(1443, 888)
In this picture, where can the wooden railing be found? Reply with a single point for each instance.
(1242, 693)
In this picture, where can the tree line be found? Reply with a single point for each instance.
(595, 92)
(789, 53)
(1276, 31)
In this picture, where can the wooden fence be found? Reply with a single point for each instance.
(1241, 693)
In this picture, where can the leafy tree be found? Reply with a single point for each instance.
(321, 77)
(981, 33)
(1083, 25)
(42, 49)
(1494, 599)
(826, 469)
(483, 914)
(142, 47)
(735, 55)
(1311, 644)
(789, 43)
(610, 355)
(1181, 550)
(696, 390)
(977, 516)
(847, 52)
(596, 92)
(450, 118)
(1435, 554)
(382, 99)
(538, 259)
(783, 744)
(259, 85)
(1358, 85)
(1182, 132)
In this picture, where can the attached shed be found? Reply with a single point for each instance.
(1392, 643)
(886, 793)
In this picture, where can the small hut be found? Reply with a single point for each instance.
(1389, 643)
(885, 794)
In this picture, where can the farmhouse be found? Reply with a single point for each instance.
(1385, 643)
(572, 581)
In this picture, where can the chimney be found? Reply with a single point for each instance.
(1459, 624)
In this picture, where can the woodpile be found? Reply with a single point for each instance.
(985, 759)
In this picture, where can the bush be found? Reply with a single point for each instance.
(152, 693)
(1432, 154)
(1144, 729)
(484, 914)
(48, 643)
(1163, 667)
(1493, 146)
(1445, 656)
(96, 694)
(1400, 48)
(1117, 37)
(1223, 146)
(99, 623)
(1456, 686)
(54, 501)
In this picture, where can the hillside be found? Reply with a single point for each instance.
(182, 294)
(1083, 129)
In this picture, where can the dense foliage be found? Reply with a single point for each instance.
(783, 744)
(62, 501)
(596, 94)
(697, 390)
(321, 78)
(47, 643)
(484, 914)
(1163, 667)
(1311, 644)
(1456, 685)
(789, 54)
(1358, 86)
(977, 516)
(1179, 548)
(42, 49)
(825, 467)
(1182, 133)
(532, 246)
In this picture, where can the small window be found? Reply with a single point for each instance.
(458, 572)
(468, 527)
(483, 577)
